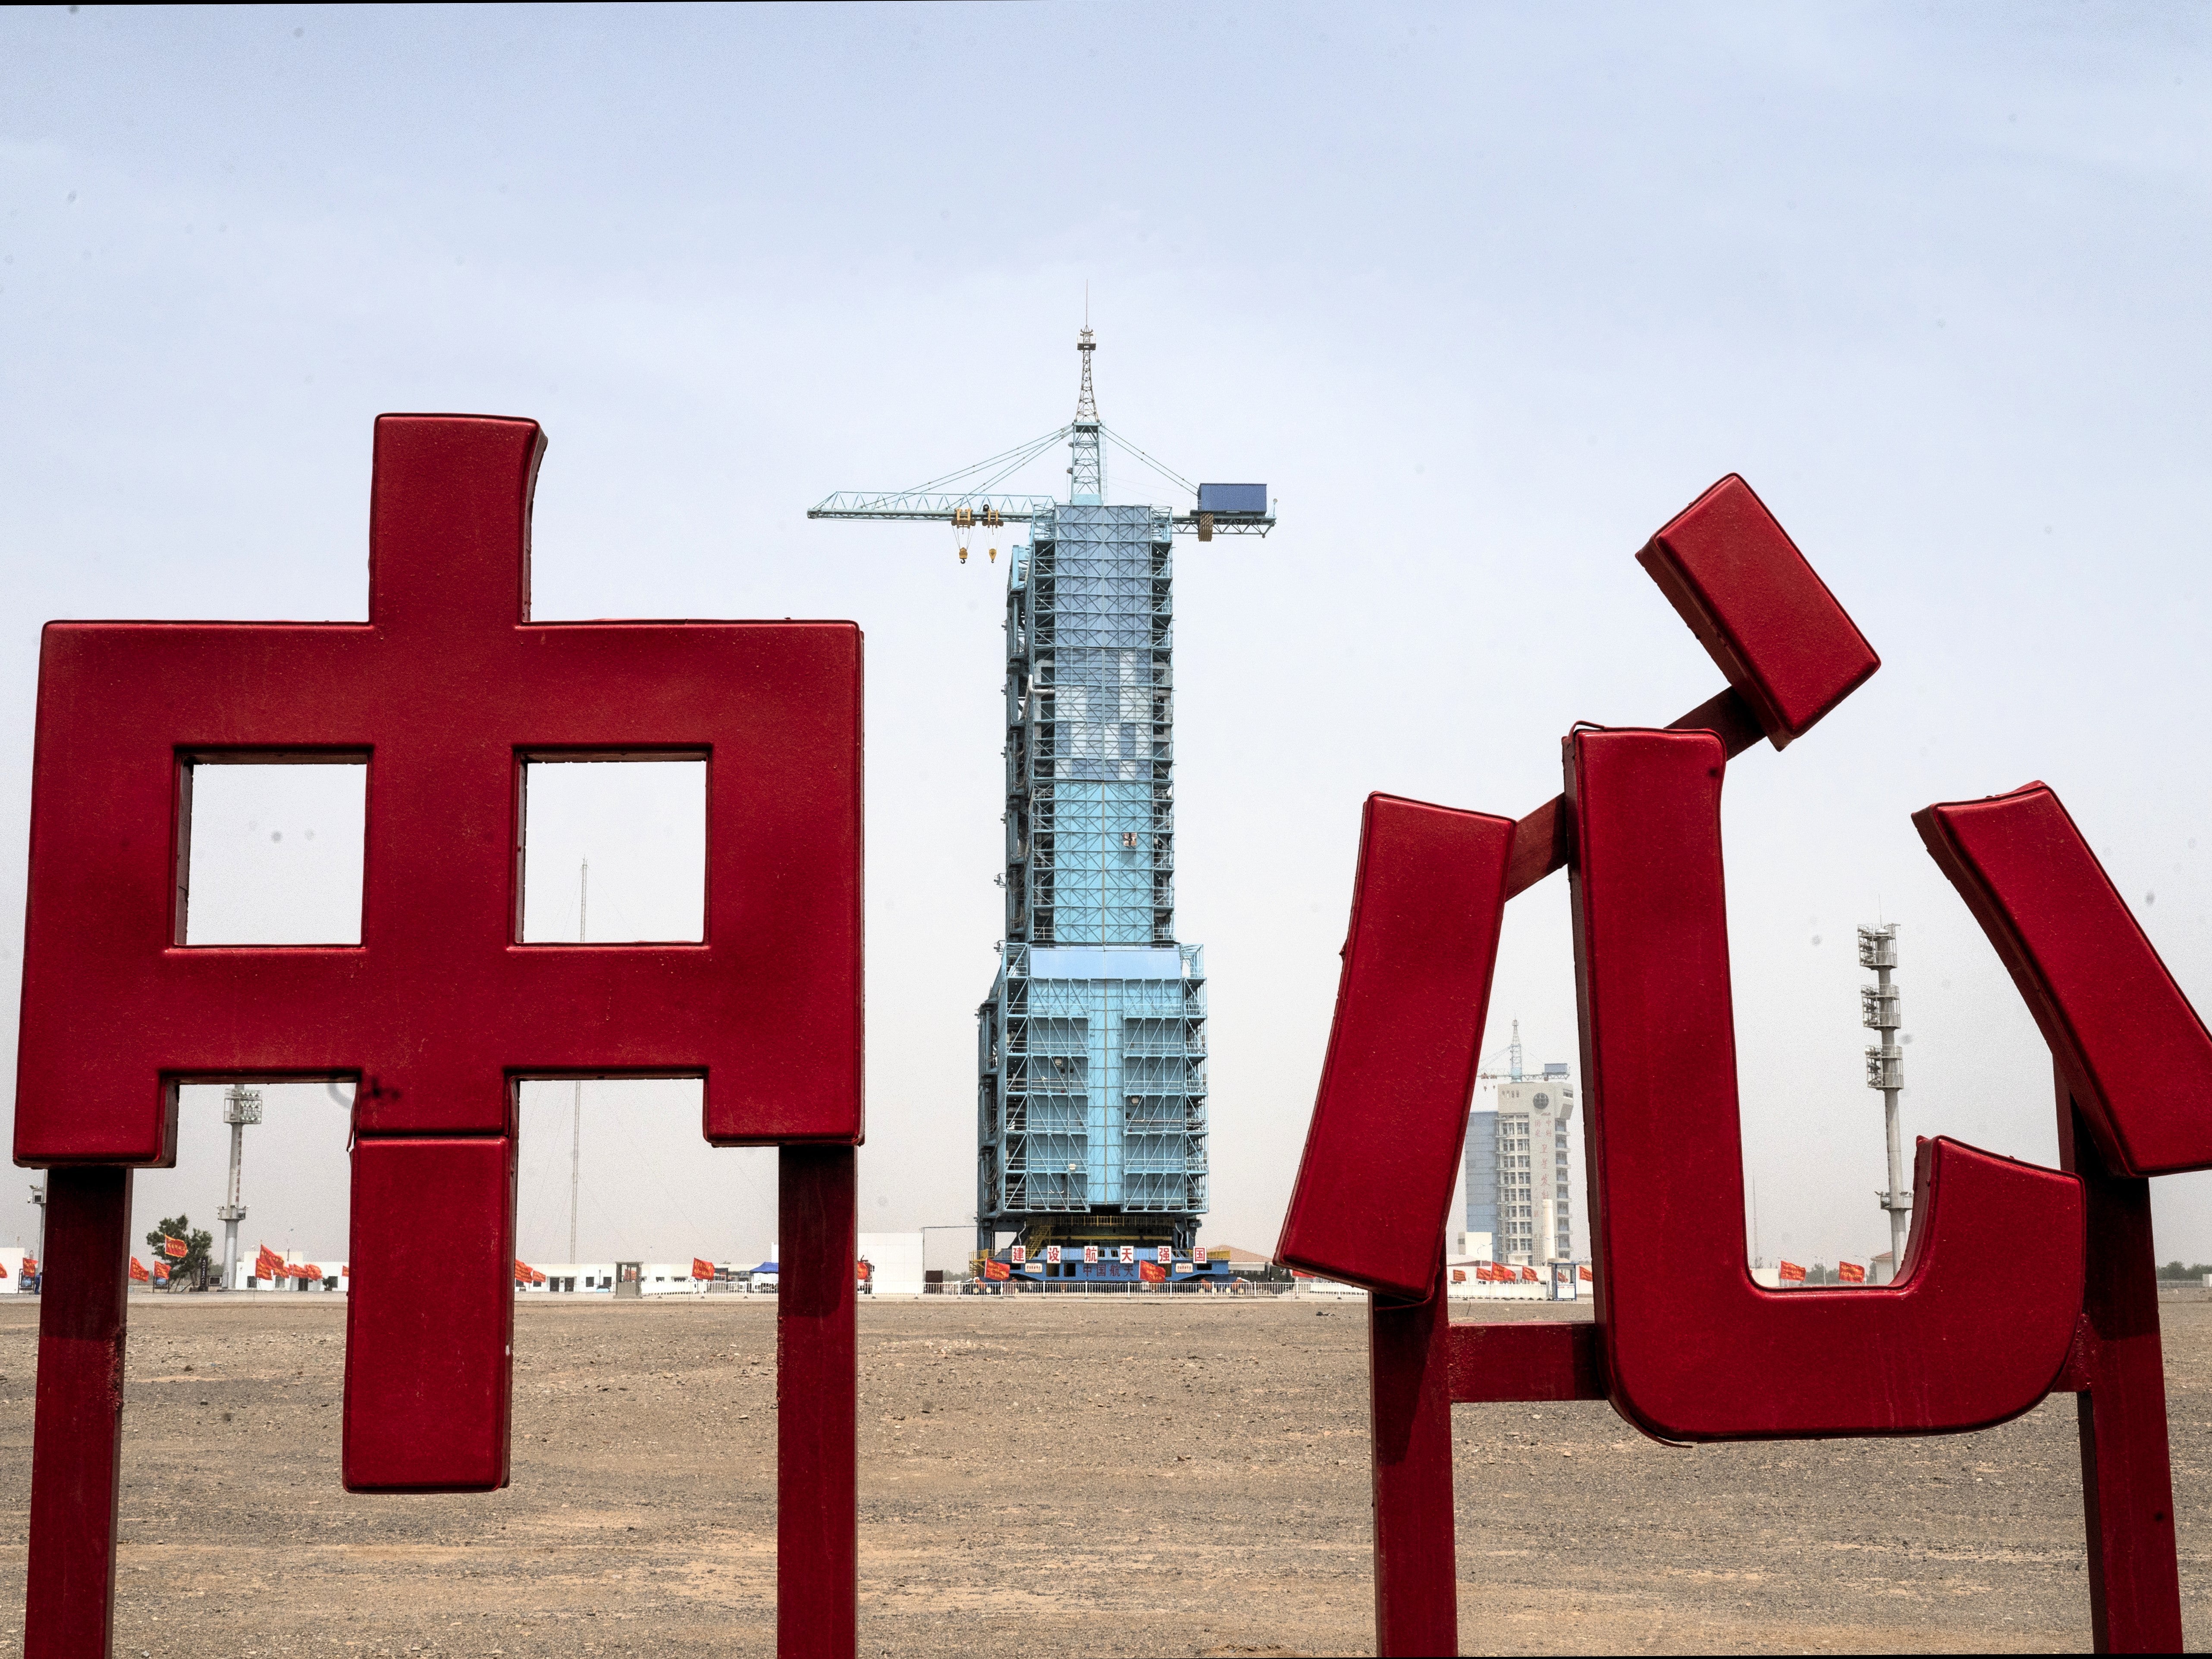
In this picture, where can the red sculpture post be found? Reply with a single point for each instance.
(446, 695)
(2127, 1474)
(76, 1437)
(817, 1526)
(1409, 1390)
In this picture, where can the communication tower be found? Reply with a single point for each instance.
(1090, 1047)
(240, 1106)
(1880, 1011)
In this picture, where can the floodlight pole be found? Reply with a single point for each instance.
(240, 1106)
(1885, 1070)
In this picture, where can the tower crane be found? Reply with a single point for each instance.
(970, 498)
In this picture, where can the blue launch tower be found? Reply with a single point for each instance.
(1090, 1047)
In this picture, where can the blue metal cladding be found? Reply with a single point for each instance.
(1482, 1175)
(1092, 1056)
(1232, 498)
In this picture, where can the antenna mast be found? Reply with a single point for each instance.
(1087, 476)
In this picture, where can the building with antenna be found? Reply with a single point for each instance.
(1091, 1046)
(1519, 1208)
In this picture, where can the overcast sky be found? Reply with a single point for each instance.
(1485, 293)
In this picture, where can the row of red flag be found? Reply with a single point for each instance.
(1499, 1273)
(270, 1265)
(1847, 1272)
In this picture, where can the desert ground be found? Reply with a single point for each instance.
(1044, 1475)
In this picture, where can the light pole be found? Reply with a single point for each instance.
(240, 1106)
(1885, 1070)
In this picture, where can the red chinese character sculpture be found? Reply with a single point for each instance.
(445, 693)
(1693, 1349)
(1684, 1344)
(2134, 1069)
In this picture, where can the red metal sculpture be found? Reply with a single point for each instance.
(445, 694)
(2134, 1069)
(1693, 1349)
(1696, 1350)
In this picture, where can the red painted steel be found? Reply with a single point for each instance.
(1790, 654)
(2134, 1072)
(2127, 1478)
(1409, 1397)
(431, 1319)
(1696, 1350)
(2134, 1054)
(445, 694)
(446, 688)
(1528, 1360)
(1732, 574)
(1384, 1146)
(817, 1528)
(77, 1431)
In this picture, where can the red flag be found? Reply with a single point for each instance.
(701, 1269)
(1484, 1273)
(4, 1267)
(311, 1271)
(1850, 1272)
(30, 1264)
(997, 1270)
(175, 1248)
(161, 1272)
(1585, 1271)
(138, 1273)
(522, 1273)
(1152, 1272)
(1791, 1273)
(1529, 1275)
(268, 1264)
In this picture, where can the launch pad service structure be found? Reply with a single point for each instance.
(1090, 1047)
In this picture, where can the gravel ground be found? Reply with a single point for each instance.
(1038, 1475)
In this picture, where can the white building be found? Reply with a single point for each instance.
(1519, 1164)
(896, 1263)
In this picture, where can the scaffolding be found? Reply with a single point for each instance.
(1092, 1096)
(1092, 1064)
(1092, 1058)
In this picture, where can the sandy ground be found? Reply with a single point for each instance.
(1044, 1475)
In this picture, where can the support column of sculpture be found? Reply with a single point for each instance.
(2127, 1481)
(77, 1438)
(1409, 1391)
(817, 1527)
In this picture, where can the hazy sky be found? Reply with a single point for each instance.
(1486, 293)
